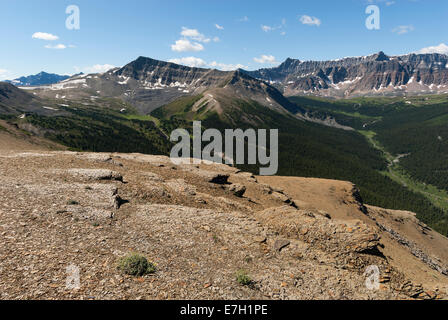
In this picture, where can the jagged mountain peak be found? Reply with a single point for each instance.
(289, 62)
(141, 60)
(143, 68)
(381, 56)
(139, 64)
(238, 75)
(146, 62)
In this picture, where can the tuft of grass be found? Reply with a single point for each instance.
(243, 278)
(215, 238)
(136, 265)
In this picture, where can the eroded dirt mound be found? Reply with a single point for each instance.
(199, 224)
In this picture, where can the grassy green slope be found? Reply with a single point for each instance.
(94, 128)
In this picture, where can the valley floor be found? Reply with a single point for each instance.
(438, 197)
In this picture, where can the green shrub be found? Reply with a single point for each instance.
(242, 278)
(136, 265)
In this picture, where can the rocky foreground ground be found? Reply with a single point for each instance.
(200, 225)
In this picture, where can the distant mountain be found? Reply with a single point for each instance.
(39, 79)
(155, 83)
(377, 74)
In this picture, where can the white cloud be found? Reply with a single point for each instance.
(219, 27)
(186, 32)
(191, 41)
(194, 34)
(441, 48)
(56, 46)
(310, 21)
(3, 74)
(389, 3)
(403, 29)
(266, 59)
(45, 36)
(97, 68)
(244, 19)
(266, 28)
(226, 67)
(189, 61)
(184, 45)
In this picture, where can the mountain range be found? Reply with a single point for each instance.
(374, 75)
(149, 84)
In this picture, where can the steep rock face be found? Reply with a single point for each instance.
(377, 74)
(160, 78)
(155, 72)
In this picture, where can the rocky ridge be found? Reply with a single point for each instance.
(200, 225)
(377, 74)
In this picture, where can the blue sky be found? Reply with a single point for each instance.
(209, 33)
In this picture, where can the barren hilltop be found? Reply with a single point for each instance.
(211, 231)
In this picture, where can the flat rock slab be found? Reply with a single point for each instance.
(97, 174)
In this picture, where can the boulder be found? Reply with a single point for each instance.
(237, 189)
